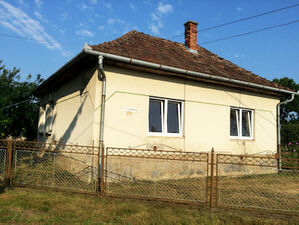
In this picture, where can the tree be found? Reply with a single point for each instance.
(289, 111)
(289, 114)
(18, 108)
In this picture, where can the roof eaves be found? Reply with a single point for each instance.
(183, 71)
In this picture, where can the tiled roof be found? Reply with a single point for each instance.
(157, 50)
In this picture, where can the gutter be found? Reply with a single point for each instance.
(279, 127)
(87, 49)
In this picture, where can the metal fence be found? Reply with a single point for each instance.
(214, 180)
(257, 182)
(160, 174)
(3, 149)
(67, 167)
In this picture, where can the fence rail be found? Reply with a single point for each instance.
(214, 180)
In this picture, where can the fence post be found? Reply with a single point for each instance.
(102, 171)
(212, 178)
(98, 172)
(8, 163)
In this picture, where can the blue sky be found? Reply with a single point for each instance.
(60, 28)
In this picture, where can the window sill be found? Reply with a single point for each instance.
(165, 135)
(242, 138)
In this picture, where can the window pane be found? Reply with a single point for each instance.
(246, 123)
(155, 116)
(173, 117)
(234, 122)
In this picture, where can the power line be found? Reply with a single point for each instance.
(250, 32)
(240, 20)
(19, 103)
(32, 39)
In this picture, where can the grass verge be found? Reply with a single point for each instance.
(27, 206)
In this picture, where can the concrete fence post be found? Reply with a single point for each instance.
(8, 163)
(212, 178)
(102, 171)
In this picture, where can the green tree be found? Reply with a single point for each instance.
(289, 115)
(18, 108)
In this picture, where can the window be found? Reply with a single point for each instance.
(41, 123)
(49, 117)
(165, 117)
(241, 123)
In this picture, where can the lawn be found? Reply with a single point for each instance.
(31, 206)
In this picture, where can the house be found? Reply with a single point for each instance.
(140, 91)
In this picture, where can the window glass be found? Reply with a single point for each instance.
(155, 115)
(234, 122)
(173, 112)
(246, 123)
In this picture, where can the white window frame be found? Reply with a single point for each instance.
(42, 119)
(49, 122)
(164, 111)
(239, 125)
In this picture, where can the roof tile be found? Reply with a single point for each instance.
(144, 47)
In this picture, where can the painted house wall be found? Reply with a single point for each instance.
(206, 120)
(76, 110)
(206, 114)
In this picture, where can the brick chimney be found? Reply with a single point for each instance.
(191, 35)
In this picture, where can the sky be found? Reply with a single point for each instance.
(57, 30)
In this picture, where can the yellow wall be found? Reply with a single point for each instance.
(206, 114)
(206, 121)
(76, 110)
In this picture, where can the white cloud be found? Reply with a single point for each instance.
(64, 16)
(238, 56)
(93, 2)
(132, 7)
(108, 5)
(18, 21)
(114, 21)
(239, 9)
(40, 17)
(154, 29)
(83, 6)
(164, 9)
(101, 27)
(155, 17)
(161, 11)
(118, 26)
(38, 3)
(84, 32)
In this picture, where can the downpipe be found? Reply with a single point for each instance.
(102, 77)
(279, 128)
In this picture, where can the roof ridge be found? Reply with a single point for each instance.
(133, 32)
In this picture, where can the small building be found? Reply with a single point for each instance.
(140, 91)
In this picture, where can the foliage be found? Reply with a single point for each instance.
(289, 114)
(18, 120)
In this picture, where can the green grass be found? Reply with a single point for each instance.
(28, 206)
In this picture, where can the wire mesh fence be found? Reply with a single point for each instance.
(215, 180)
(3, 151)
(65, 167)
(257, 182)
(160, 174)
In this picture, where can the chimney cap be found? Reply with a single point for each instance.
(190, 21)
